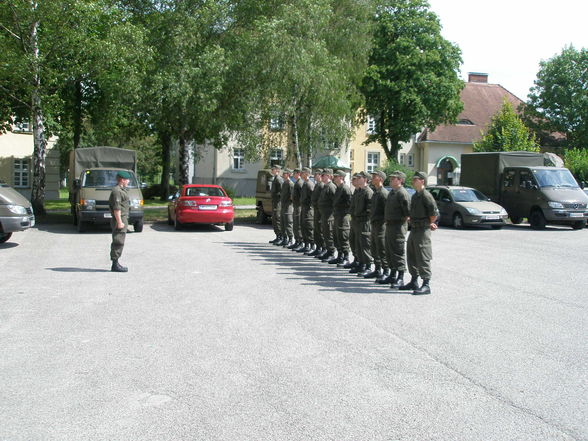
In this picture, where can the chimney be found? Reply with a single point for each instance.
(477, 77)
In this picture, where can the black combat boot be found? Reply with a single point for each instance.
(314, 252)
(322, 254)
(327, 256)
(353, 264)
(301, 248)
(386, 277)
(412, 285)
(398, 281)
(424, 289)
(281, 242)
(288, 243)
(309, 248)
(358, 269)
(275, 240)
(367, 270)
(377, 272)
(344, 261)
(118, 268)
(335, 260)
(293, 245)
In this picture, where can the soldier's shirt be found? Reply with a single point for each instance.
(422, 207)
(297, 192)
(378, 204)
(306, 194)
(119, 200)
(342, 200)
(316, 194)
(286, 195)
(277, 188)
(327, 197)
(362, 203)
(397, 205)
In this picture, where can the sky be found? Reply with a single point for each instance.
(508, 38)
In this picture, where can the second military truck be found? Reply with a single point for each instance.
(92, 175)
(526, 188)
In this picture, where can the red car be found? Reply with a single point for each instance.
(201, 204)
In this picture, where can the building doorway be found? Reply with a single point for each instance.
(446, 171)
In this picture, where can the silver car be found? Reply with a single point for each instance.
(465, 206)
(16, 213)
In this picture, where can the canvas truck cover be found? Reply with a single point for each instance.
(106, 157)
(483, 171)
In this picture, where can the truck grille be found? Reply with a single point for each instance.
(574, 206)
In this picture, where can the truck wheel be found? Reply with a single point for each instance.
(138, 226)
(229, 226)
(261, 216)
(537, 220)
(4, 237)
(457, 221)
(177, 224)
(579, 225)
(516, 220)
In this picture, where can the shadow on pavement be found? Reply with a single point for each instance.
(7, 245)
(67, 269)
(311, 271)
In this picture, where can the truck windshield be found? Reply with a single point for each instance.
(468, 195)
(557, 177)
(104, 179)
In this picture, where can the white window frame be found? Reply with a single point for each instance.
(238, 159)
(402, 159)
(276, 156)
(371, 125)
(370, 164)
(21, 169)
(410, 160)
(276, 124)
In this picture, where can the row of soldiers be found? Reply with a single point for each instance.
(325, 219)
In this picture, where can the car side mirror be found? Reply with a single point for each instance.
(170, 197)
(445, 200)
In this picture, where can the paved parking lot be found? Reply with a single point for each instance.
(217, 335)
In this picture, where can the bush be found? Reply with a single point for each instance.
(576, 160)
(154, 191)
(393, 166)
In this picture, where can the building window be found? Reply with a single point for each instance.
(410, 158)
(373, 161)
(371, 125)
(402, 160)
(22, 126)
(276, 124)
(277, 157)
(21, 173)
(238, 159)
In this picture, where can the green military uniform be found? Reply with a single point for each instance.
(296, 194)
(342, 218)
(419, 251)
(119, 200)
(378, 228)
(395, 216)
(317, 223)
(360, 218)
(352, 232)
(325, 204)
(287, 210)
(307, 213)
(276, 205)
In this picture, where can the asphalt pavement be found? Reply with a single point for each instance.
(216, 335)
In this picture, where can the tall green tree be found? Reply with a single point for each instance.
(558, 102)
(412, 79)
(506, 133)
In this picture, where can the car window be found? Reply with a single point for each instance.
(444, 194)
(204, 191)
(467, 195)
(509, 178)
(435, 193)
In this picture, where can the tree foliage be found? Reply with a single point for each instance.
(558, 102)
(576, 160)
(412, 79)
(506, 133)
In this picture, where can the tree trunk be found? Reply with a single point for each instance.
(295, 144)
(77, 114)
(39, 141)
(184, 159)
(166, 145)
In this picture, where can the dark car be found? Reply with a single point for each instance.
(201, 204)
(465, 206)
(16, 213)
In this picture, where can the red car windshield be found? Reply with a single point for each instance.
(204, 191)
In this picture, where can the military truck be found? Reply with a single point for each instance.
(263, 196)
(92, 175)
(526, 188)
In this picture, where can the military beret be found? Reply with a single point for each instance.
(287, 170)
(398, 174)
(340, 173)
(327, 171)
(277, 167)
(305, 170)
(318, 171)
(379, 173)
(123, 174)
(296, 170)
(419, 175)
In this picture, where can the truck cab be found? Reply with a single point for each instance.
(544, 195)
(263, 195)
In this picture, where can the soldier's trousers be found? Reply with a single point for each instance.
(419, 253)
(277, 218)
(297, 223)
(307, 224)
(118, 238)
(327, 227)
(317, 228)
(362, 241)
(352, 240)
(287, 224)
(378, 243)
(342, 228)
(395, 241)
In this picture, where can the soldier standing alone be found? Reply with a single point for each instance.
(419, 251)
(119, 209)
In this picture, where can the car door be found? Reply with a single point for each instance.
(445, 206)
(510, 194)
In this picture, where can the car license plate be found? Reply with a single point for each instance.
(107, 215)
(492, 217)
(576, 214)
(207, 207)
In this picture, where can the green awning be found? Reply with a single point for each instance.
(330, 162)
(452, 158)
